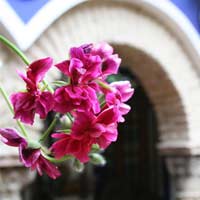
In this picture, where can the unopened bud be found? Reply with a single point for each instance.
(78, 166)
(95, 148)
(97, 159)
(65, 122)
(34, 144)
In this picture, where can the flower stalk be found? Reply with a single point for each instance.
(104, 85)
(22, 56)
(20, 125)
(54, 160)
(49, 129)
(14, 49)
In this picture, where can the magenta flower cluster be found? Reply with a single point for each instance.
(92, 105)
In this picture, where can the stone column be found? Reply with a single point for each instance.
(185, 176)
(13, 177)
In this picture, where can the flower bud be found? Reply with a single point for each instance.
(95, 148)
(97, 159)
(65, 122)
(78, 166)
(34, 144)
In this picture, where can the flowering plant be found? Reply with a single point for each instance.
(88, 107)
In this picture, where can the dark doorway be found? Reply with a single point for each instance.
(134, 169)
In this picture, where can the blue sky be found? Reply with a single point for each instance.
(26, 9)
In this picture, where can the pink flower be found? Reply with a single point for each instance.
(89, 62)
(103, 49)
(123, 89)
(87, 129)
(80, 94)
(32, 158)
(121, 93)
(102, 128)
(82, 98)
(110, 61)
(107, 121)
(82, 67)
(69, 145)
(26, 104)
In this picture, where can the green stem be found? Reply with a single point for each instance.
(21, 126)
(101, 98)
(5, 96)
(54, 160)
(15, 49)
(48, 131)
(64, 131)
(102, 104)
(22, 56)
(104, 85)
(48, 86)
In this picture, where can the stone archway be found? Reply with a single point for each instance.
(161, 91)
(158, 56)
(132, 25)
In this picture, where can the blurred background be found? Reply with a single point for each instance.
(157, 153)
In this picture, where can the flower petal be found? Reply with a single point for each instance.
(111, 65)
(50, 169)
(59, 148)
(108, 116)
(102, 49)
(37, 70)
(24, 106)
(28, 156)
(44, 104)
(124, 89)
(64, 67)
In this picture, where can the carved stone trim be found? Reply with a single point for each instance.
(12, 180)
(185, 176)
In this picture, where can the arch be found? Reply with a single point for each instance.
(25, 35)
(168, 70)
(167, 104)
